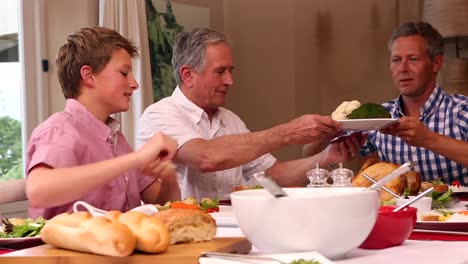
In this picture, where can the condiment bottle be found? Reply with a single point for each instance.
(317, 176)
(342, 176)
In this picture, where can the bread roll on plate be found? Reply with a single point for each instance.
(152, 236)
(187, 225)
(81, 232)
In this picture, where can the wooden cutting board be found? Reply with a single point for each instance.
(180, 253)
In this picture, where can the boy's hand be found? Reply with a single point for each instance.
(159, 148)
(160, 169)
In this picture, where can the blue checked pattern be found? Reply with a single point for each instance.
(446, 114)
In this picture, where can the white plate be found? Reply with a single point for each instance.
(286, 258)
(457, 223)
(367, 124)
(225, 217)
(19, 240)
(442, 226)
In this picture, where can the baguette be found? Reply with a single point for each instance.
(72, 219)
(187, 225)
(152, 236)
(81, 232)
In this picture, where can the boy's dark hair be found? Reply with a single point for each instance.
(92, 46)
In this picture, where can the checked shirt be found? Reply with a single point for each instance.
(446, 114)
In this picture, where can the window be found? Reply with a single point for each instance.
(11, 147)
(23, 93)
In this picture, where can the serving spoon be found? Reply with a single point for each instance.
(269, 184)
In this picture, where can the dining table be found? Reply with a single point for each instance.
(424, 250)
(423, 246)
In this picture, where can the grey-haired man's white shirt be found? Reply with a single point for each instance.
(181, 119)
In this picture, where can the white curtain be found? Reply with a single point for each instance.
(128, 17)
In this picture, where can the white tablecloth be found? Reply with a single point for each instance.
(412, 251)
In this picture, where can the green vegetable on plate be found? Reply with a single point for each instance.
(303, 261)
(369, 110)
(29, 228)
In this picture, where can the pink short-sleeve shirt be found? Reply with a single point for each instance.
(75, 137)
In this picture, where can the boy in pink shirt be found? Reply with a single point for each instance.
(80, 153)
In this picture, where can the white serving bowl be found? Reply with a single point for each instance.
(423, 205)
(331, 220)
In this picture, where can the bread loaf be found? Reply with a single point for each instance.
(439, 187)
(378, 171)
(152, 236)
(188, 225)
(369, 162)
(430, 217)
(413, 178)
(410, 180)
(72, 219)
(81, 232)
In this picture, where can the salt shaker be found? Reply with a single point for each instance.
(342, 176)
(317, 176)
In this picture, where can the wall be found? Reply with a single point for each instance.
(62, 19)
(299, 57)
(292, 57)
(302, 56)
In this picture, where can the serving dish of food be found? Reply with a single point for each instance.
(444, 220)
(367, 124)
(22, 231)
(406, 185)
(208, 205)
(355, 116)
(18, 240)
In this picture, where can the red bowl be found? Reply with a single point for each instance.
(391, 228)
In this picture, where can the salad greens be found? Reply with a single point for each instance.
(207, 203)
(303, 261)
(29, 228)
(389, 202)
(442, 197)
(406, 193)
(437, 181)
(444, 212)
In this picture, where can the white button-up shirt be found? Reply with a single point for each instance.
(178, 117)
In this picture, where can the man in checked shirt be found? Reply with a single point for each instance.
(433, 126)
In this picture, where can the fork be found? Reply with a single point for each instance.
(8, 226)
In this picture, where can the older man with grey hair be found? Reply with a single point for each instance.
(215, 147)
